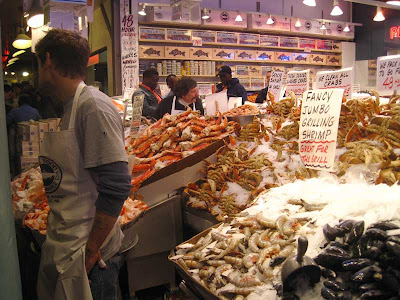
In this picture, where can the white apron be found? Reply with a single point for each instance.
(177, 111)
(72, 194)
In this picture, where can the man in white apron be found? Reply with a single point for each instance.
(85, 175)
(186, 95)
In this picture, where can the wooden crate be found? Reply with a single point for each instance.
(245, 54)
(176, 52)
(334, 60)
(301, 58)
(151, 52)
(255, 71)
(224, 54)
(337, 46)
(201, 53)
(283, 57)
(318, 59)
(242, 70)
(265, 56)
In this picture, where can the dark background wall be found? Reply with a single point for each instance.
(372, 38)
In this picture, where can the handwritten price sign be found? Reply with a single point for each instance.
(388, 73)
(319, 120)
(297, 81)
(341, 79)
(275, 84)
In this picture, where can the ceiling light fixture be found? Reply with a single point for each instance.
(205, 14)
(13, 73)
(395, 3)
(36, 16)
(336, 11)
(323, 27)
(270, 21)
(239, 18)
(19, 52)
(346, 28)
(379, 15)
(142, 12)
(25, 74)
(309, 2)
(22, 41)
(298, 23)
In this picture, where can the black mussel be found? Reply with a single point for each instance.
(394, 271)
(337, 250)
(360, 246)
(356, 264)
(384, 226)
(331, 260)
(388, 280)
(388, 259)
(375, 295)
(328, 274)
(367, 287)
(355, 232)
(347, 224)
(393, 247)
(376, 234)
(339, 245)
(277, 261)
(336, 285)
(346, 296)
(372, 253)
(394, 238)
(366, 274)
(330, 233)
(329, 294)
(376, 243)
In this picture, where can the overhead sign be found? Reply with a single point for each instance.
(297, 82)
(340, 79)
(319, 120)
(275, 84)
(388, 73)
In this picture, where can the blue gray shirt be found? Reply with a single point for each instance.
(22, 114)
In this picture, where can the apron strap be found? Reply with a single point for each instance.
(75, 105)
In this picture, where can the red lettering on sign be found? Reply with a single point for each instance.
(394, 32)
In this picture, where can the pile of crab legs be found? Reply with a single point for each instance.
(173, 137)
(234, 259)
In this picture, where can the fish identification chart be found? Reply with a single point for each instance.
(319, 121)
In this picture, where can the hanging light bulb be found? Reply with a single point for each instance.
(36, 16)
(336, 11)
(298, 23)
(142, 12)
(346, 28)
(270, 21)
(18, 53)
(239, 18)
(396, 3)
(22, 41)
(309, 2)
(323, 27)
(205, 14)
(379, 15)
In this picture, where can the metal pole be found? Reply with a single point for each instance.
(10, 280)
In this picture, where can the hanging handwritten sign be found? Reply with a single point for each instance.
(275, 84)
(342, 79)
(297, 81)
(388, 73)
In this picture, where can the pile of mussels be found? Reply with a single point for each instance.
(358, 264)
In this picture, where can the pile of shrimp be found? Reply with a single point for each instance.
(233, 260)
(37, 219)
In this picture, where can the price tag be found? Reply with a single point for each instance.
(388, 74)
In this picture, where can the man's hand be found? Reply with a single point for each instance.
(91, 259)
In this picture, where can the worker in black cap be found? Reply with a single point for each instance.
(235, 89)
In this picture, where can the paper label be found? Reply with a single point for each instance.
(297, 82)
(388, 73)
(319, 120)
(217, 103)
(227, 37)
(206, 36)
(342, 79)
(137, 108)
(275, 84)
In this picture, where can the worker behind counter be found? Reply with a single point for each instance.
(147, 88)
(171, 81)
(262, 95)
(235, 89)
(186, 95)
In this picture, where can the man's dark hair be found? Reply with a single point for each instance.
(68, 51)
(169, 77)
(149, 73)
(7, 88)
(184, 85)
(25, 99)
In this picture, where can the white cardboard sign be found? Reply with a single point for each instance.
(217, 103)
(297, 82)
(340, 79)
(319, 120)
(137, 107)
(388, 74)
(275, 84)
(234, 102)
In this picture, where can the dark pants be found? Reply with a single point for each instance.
(104, 282)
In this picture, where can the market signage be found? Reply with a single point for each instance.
(388, 73)
(319, 121)
(297, 81)
(342, 79)
(137, 107)
(394, 32)
(275, 84)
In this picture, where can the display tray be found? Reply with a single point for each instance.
(244, 119)
(196, 286)
(185, 162)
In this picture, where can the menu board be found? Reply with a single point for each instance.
(324, 45)
(179, 35)
(227, 37)
(206, 36)
(147, 33)
(336, 79)
(269, 41)
(388, 73)
(319, 121)
(288, 42)
(307, 43)
(249, 39)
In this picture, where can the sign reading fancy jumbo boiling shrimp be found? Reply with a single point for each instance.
(340, 79)
(388, 74)
(319, 120)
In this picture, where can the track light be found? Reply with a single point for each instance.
(379, 15)
(18, 53)
(336, 11)
(323, 27)
(309, 2)
(298, 23)
(239, 18)
(346, 28)
(205, 14)
(142, 12)
(22, 41)
(396, 3)
(270, 21)
(36, 16)
(12, 60)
